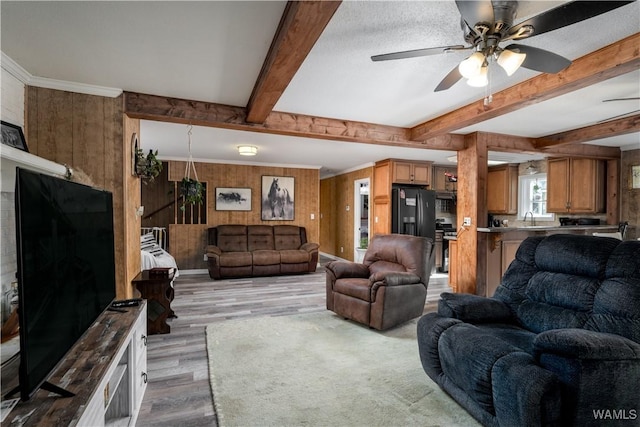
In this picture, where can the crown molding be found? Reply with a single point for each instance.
(44, 82)
(16, 70)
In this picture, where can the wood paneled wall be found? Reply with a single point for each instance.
(189, 252)
(630, 206)
(337, 227)
(87, 133)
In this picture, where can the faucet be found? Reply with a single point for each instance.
(533, 221)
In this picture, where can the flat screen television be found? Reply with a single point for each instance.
(66, 270)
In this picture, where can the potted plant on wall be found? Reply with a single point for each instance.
(147, 167)
(191, 189)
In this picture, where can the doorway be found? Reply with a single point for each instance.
(360, 218)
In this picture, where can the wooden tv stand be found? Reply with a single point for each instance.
(105, 369)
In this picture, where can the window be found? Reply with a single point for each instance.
(533, 196)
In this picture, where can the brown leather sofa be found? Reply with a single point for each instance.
(388, 288)
(259, 250)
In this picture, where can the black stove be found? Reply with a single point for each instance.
(447, 229)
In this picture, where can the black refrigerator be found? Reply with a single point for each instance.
(413, 211)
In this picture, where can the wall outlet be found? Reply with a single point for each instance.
(205, 257)
(341, 249)
(466, 221)
(313, 216)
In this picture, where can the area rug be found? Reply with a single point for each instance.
(318, 369)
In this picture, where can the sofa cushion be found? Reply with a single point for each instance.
(294, 256)
(287, 237)
(265, 257)
(260, 237)
(616, 307)
(235, 259)
(232, 238)
(482, 349)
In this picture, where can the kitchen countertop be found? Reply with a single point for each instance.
(548, 228)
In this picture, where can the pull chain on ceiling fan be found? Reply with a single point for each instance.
(487, 23)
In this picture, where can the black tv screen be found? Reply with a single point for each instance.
(66, 268)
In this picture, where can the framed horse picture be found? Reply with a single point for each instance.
(277, 198)
(233, 199)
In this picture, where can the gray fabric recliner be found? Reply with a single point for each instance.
(558, 343)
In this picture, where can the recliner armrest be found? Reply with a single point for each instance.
(585, 344)
(474, 308)
(394, 278)
(343, 269)
(309, 247)
(213, 250)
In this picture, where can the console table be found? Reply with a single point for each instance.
(158, 292)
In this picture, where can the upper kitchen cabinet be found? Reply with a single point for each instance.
(385, 174)
(502, 189)
(406, 172)
(441, 180)
(575, 185)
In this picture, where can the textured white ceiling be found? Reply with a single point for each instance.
(213, 51)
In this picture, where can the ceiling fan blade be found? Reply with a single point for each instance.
(449, 80)
(474, 12)
(417, 52)
(540, 59)
(562, 16)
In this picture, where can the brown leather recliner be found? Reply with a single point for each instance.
(388, 288)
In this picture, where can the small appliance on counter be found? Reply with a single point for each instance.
(565, 221)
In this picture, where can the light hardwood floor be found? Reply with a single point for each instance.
(178, 392)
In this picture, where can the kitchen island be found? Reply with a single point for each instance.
(497, 247)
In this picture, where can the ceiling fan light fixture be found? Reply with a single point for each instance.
(472, 66)
(481, 80)
(247, 150)
(510, 61)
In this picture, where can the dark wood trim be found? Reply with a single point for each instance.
(300, 27)
(611, 61)
(611, 128)
(152, 107)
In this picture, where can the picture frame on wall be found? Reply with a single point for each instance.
(233, 199)
(634, 178)
(13, 136)
(278, 198)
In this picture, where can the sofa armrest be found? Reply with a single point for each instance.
(309, 247)
(586, 345)
(394, 278)
(474, 308)
(343, 269)
(213, 250)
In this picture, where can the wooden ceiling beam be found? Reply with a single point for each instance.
(300, 27)
(608, 129)
(159, 108)
(614, 60)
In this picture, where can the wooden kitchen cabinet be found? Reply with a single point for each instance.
(437, 247)
(385, 174)
(502, 189)
(453, 265)
(575, 185)
(441, 182)
(417, 173)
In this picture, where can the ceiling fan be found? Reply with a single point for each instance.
(487, 23)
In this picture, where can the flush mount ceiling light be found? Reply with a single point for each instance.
(247, 150)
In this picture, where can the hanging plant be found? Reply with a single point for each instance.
(147, 167)
(191, 189)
